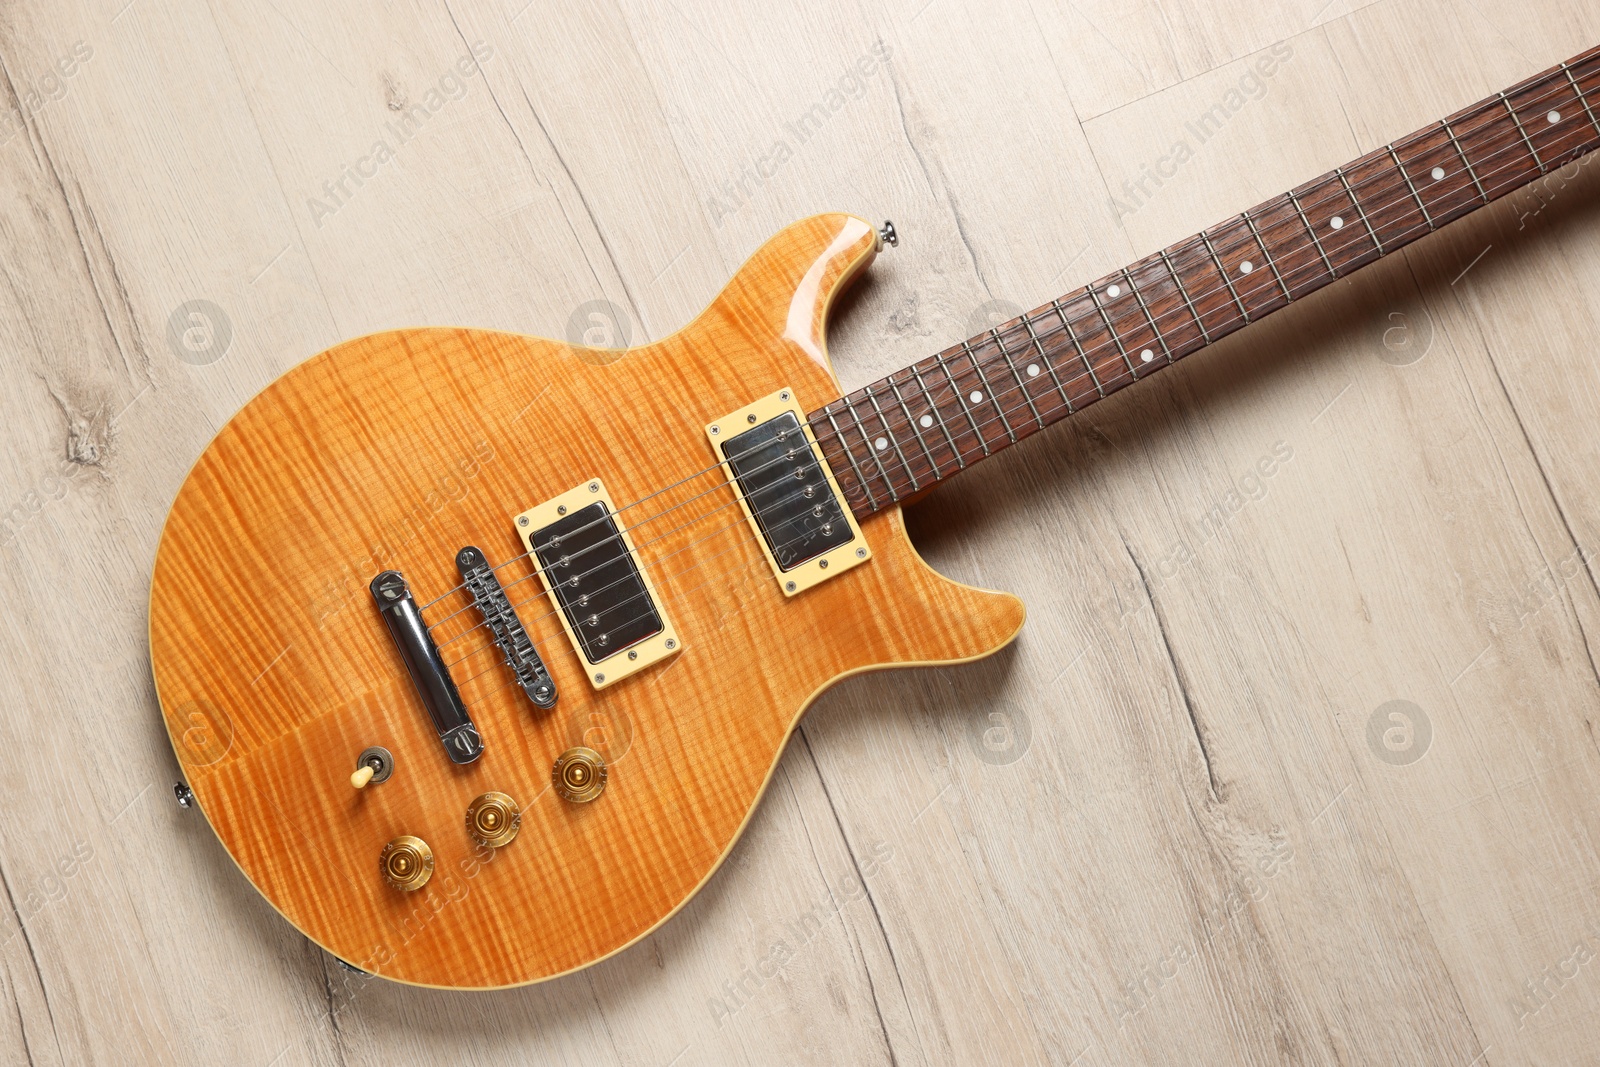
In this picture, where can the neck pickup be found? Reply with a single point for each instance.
(787, 492)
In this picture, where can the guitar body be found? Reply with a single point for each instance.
(275, 669)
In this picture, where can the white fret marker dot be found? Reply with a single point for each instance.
(1115, 290)
(1336, 222)
(1033, 370)
(1147, 355)
(1438, 174)
(1246, 267)
(976, 397)
(1553, 118)
(926, 420)
(880, 444)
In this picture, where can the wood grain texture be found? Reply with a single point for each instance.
(275, 670)
(1190, 696)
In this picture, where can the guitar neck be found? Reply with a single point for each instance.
(902, 434)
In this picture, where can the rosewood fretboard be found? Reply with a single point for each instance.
(902, 434)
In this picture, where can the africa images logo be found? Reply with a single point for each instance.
(451, 85)
(738, 190)
(1251, 85)
(33, 97)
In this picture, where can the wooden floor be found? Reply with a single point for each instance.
(1287, 767)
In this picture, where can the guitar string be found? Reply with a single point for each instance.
(540, 618)
(652, 518)
(1241, 242)
(1185, 311)
(637, 553)
(801, 492)
(737, 523)
(673, 599)
(1288, 274)
(1115, 335)
(1113, 347)
(645, 614)
(905, 464)
(1562, 151)
(1250, 292)
(1558, 88)
(735, 572)
(1552, 79)
(628, 507)
(697, 565)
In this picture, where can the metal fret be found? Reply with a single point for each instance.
(1134, 289)
(955, 388)
(883, 471)
(1183, 292)
(1082, 357)
(1351, 193)
(1223, 271)
(1138, 353)
(1414, 195)
(1525, 140)
(1582, 99)
(1310, 229)
(889, 434)
(995, 333)
(1049, 365)
(1248, 221)
(1112, 330)
(933, 409)
(1473, 174)
(989, 390)
(861, 479)
(911, 421)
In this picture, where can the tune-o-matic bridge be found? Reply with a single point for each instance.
(501, 618)
(608, 605)
(787, 492)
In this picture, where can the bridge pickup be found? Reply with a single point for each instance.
(787, 492)
(427, 669)
(608, 605)
(490, 598)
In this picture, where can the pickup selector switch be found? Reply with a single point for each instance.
(373, 765)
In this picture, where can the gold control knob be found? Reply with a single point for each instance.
(406, 863)
(493, 820)
(579, 775)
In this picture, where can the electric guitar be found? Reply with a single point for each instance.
(477, 650)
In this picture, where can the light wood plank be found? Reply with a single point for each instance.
(1401, 553)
